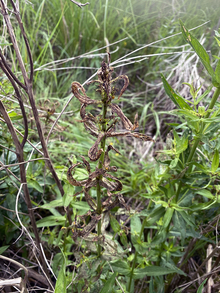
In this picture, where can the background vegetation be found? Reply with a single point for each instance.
(68, 44)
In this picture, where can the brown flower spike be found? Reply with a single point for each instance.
(102, 127)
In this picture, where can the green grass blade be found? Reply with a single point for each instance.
(201, 286)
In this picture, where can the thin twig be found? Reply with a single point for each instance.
(25, 162)
(147, 45)
(79, 4)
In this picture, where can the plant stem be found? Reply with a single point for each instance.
(101, 161)
(213, 101)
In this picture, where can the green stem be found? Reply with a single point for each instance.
(213, 101)
(100, 165)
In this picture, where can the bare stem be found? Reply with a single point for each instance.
(101, 161)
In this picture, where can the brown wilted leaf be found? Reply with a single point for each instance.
(86, 163)
(115, 185)
(126, 122)
(111, 205)
(83, 111)
(70, 178)
(91, 127)
(107, 159)
(92, 177)
(112, 134)
(142, 136)
(91, 202)
(88, 121)
(108, 200)
(94, 153)
(122, 201)
(83, 98)
(91, 225)
(126, 83)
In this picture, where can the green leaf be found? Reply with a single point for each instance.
(81, 206)
(154, 271)
(173, 267)
(14, 116)
(155, 215)
(167, 217)
(189, 113)
(6, 44)
(109, 284)
(180, 226)
(53, 204)
(3, 248)
(51, 221)
(181, 144)
(61, 279)
(217, 34)
(215, 161)
(187, 218)
(198, 48)
(200, 289)
(34, 184)
(206, 193)
(114, 224)
(123, 238)
(135, 229)
(121, 267)
(202, 206)
(178, 100)
(69, 191)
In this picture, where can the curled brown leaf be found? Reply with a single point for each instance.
(126, 83)
(83, 98)
(125, 121)
(107, 159)
(94, 152)
(70, 178)
(91, 202)
(87, 165)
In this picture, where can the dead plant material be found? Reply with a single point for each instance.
(102, 127)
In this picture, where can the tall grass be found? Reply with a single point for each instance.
(61, 30)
